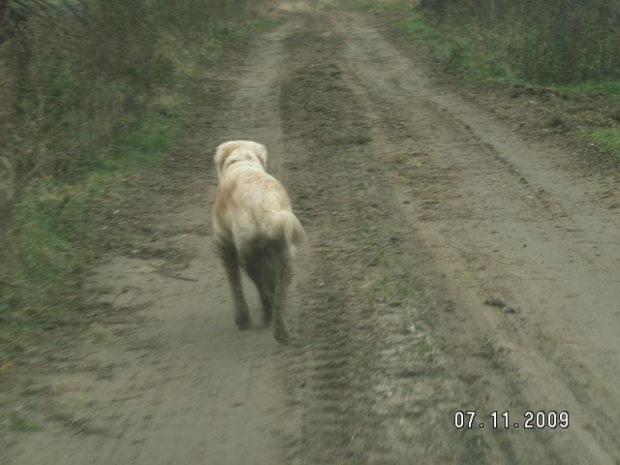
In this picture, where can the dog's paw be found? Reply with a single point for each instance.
(243, 323)
(283, 337)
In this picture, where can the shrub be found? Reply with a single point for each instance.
(550, 41)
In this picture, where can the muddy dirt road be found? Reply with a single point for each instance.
(453, 266)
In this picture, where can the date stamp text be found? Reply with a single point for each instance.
(530, 419)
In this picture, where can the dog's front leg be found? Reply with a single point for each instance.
(233, 271)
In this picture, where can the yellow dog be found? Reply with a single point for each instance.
(255, 229)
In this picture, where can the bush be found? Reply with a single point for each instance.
(80, 72)
(550, 41)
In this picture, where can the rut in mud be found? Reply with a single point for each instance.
(452, 266)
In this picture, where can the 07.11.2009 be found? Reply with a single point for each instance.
(470, 419)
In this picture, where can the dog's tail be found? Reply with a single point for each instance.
(283, 225)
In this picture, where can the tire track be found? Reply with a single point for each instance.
(477, 193)
(334, 398)
(364, 385)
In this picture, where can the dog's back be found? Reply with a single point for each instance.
(253, 207)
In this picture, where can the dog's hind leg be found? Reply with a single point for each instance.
(260, 268)
(265, 290)
(283, 279)
(230, 259)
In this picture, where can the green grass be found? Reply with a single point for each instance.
(608, 139)
(610, 89)
(18, 419)
(426, 347)
(23, 423)
(466, 51)
(220, 35)
(388, 285)
(391, 288)
(485, 56)
(389, 6)
(56, 229)
(143, 148)
(250, 28)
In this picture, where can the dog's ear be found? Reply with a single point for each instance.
(261, 152)
(221, 154)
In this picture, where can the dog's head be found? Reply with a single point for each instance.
(239, 150)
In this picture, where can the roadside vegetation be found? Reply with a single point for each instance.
(92, 94)
(564, 47)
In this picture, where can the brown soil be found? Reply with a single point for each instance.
(454, 265)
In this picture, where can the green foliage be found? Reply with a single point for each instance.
(551, 42)
(567, 42)
(569, 45)
(90, 99)
(462, 49)
(79, 77)
(57, 227)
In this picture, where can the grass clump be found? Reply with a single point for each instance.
(607, 139)
(23, 423)
(388, 6)
(390, 288)
(610, 89)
